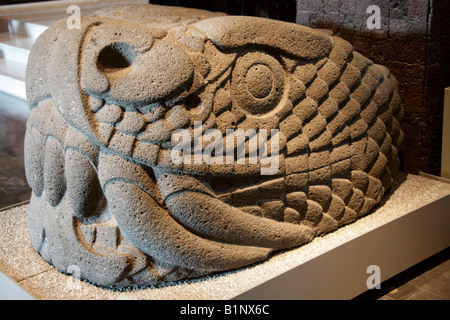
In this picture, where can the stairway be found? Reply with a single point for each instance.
(15, 45)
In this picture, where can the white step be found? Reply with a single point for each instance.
(28, 29)
(12, 78)
(15, 47)
(13, 106)
(11, 290)
(57, 9)
(25, 22)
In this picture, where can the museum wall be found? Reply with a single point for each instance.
(413, 41)
(280, 9)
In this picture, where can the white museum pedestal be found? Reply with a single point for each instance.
(411, 225)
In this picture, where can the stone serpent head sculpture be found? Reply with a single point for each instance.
(107, 99)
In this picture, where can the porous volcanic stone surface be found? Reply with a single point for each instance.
(110, 200)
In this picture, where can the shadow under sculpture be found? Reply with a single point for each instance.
(107, 99)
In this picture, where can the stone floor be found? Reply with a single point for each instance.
(13, 185)
(433, 284)
(429, 280)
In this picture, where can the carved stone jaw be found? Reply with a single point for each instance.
(174, 212)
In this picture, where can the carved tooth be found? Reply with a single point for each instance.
(110, 114)
(83, 187)
(153, 111)
(105, 131)
(95, 103)
(146, 152)
(122, 143)
(178, 117)
(222, 101)
(34, 160)
(54, 180)
(35, 222)
(158, 131)
(132, 123)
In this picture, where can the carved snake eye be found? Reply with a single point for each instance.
(257, 82)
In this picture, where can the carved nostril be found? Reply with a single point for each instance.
(114, 58)
(193, 103)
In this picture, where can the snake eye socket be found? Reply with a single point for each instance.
(257, 82)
